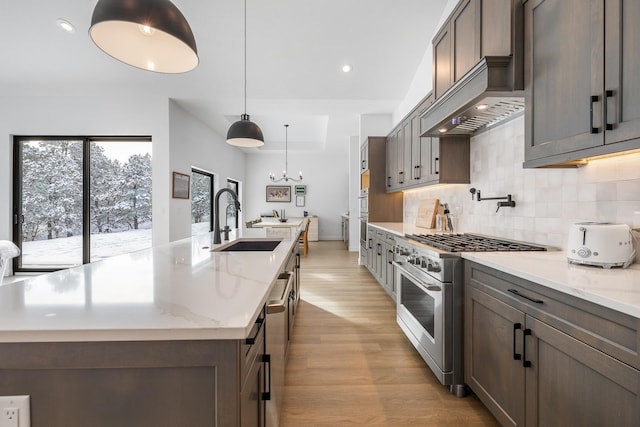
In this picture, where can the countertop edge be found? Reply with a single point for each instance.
(527, 270)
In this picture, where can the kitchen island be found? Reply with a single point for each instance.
(171, 335)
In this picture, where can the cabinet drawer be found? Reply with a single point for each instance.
(609, 331)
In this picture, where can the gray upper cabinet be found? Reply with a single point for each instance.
(414, 161)
(442, 60)
(582, 93)
(474, 30)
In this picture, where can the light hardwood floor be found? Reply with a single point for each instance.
(350, 364)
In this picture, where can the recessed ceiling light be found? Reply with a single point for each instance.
(442, 130)
(482, 107)
(346, 68)
(66, 26)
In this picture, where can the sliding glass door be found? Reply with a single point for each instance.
(49, 208)
(78, 200)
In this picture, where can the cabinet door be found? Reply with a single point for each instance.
(466, 38)
(392, 162)
(399, 157)
(390, 278)
(364, 157)
(378, 262)
(442, 62)
(252, 407)
(433, 145)
(404, 156)
(563, 76)
(622, 68)
(572, 384)
(493, 337)
(371, 252)
(417, 167)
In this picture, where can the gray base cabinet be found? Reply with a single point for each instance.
(537, 357)
(155, 383)
(381, 259)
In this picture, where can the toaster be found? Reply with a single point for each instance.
(600, 244)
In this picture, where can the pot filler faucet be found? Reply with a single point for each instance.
(216, 208)
(510, 203)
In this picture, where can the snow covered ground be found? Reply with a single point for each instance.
(67, 251)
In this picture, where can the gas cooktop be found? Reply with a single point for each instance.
(471, 243)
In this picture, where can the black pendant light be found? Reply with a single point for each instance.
(149, 34)
(245, 133)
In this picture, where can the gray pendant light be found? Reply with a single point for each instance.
(245, 133)
(149, 34)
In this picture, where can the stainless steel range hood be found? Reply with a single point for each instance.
(489, 93)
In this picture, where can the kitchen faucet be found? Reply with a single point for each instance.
(510, 203)
(216, 208)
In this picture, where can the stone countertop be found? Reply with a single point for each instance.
(400, 228)
(617, 289)
(178, 291)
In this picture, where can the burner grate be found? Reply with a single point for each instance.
(472, 243)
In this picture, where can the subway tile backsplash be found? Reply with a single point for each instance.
(548, 201)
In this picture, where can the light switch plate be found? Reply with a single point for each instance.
(15, 411)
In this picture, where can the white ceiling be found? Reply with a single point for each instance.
(295, 51)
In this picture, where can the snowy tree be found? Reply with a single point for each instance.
(200, 197)
(52, 189)
(106, 180)
(135, 203)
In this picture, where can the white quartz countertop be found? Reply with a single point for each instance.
(290, 222)
(178, 291)
(400, 228)
(618, 289)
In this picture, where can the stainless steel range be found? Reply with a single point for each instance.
(429, 296)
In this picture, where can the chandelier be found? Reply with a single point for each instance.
(285, 177)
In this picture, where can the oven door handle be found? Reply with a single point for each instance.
(433, 290)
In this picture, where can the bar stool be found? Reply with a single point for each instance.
(7, 251)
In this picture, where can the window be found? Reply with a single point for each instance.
(202, 185)
(232, 215)
(80, 199)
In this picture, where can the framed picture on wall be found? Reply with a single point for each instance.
(181, 186)
(278, 193)
(300, 201)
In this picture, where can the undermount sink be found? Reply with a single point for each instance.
(249, 246)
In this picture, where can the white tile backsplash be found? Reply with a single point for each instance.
(548, 201)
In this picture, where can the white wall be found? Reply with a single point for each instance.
(326, 175)
(548, 201)
(354, 192)
(422, 82)
(88, 116)
(179, 141)
(194, 144)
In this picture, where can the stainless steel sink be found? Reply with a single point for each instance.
(249, 246)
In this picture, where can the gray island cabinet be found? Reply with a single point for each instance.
(175, 335)
(538, 357)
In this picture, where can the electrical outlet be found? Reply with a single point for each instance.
(9, 417)
(15, 411)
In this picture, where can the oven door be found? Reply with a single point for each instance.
(424, 312)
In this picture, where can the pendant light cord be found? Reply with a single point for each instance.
(245, 57)
(286, 149)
